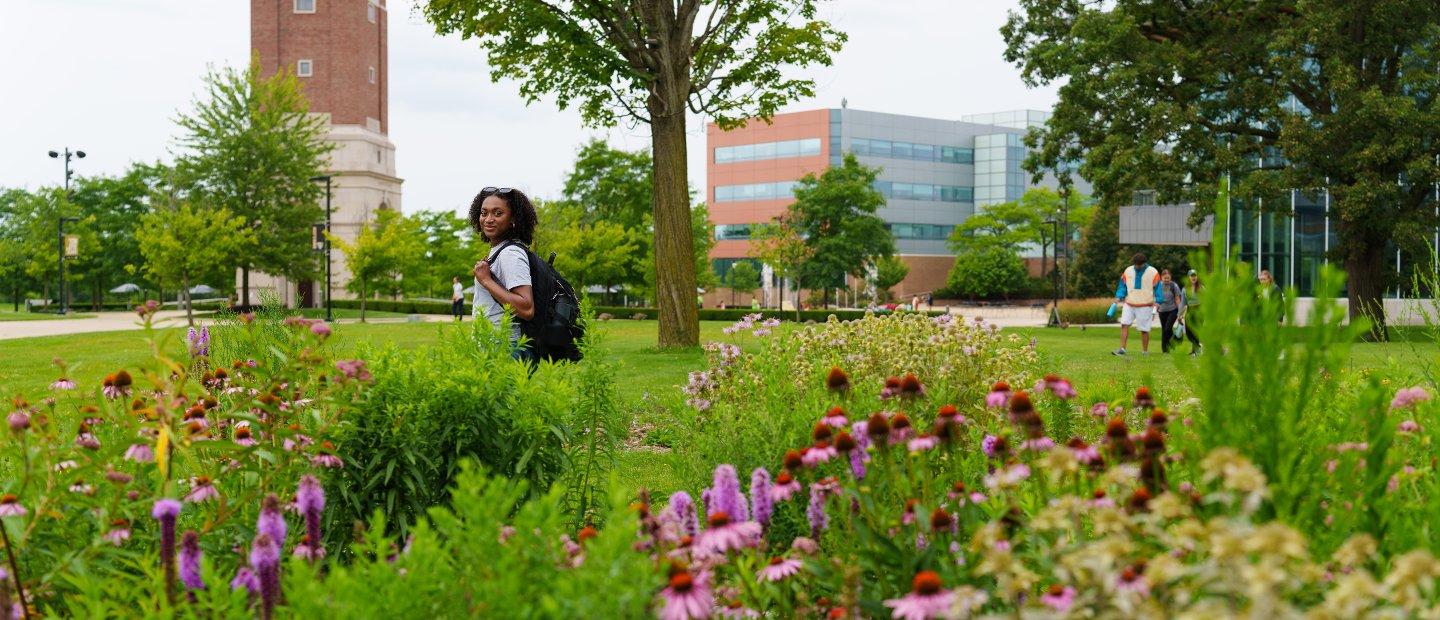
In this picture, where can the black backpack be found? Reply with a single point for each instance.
(555, 331)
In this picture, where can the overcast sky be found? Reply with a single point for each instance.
(109, 76)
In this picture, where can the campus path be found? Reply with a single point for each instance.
(119, 321)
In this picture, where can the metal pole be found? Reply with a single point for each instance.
(60, 256)
(329, 310)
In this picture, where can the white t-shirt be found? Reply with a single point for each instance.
(457, 293)
(511, 269)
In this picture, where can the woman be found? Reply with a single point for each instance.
(1169, 309)
(1190, 311)
(500, 215)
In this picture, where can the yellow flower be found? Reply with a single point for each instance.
(1352, 595)
(1356, 551)
(162, 450)
(1411, 578)
(1276, 539)
(1170, 506)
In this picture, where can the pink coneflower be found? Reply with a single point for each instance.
(1056, 385)
(835, 418)
(891, 389)
(1409, 397)
(1007, 476)
(10, 506)
(1408, 426)
(925, 600)
(320, 329)
(118, 533)
(62, 384)
(736, 608)
(1039, 444)
(922, 443)
(724, 535)
(242, 436)
(779, 568)
(1084, 452)
(325, 456)
(819, 453)
(910, 386)
(785, 486)
(1100, 410)
(1059, 598)
(1101, 500)
(837, 381)
(86, 439)
(900, 428)
(687, 596)
(82, 488)
(140, 453)
(19, 421)
(908, 516)
(999, 395)
(1132, 579)
(942, 521)
(202, 489)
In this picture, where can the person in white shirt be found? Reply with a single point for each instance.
(457, 300)
(1141, 294)
(504, 218)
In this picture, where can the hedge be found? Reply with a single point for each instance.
(1091, 311)
(618, 312)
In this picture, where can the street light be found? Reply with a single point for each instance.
(68, 172)
(60, 241)
(1054, 283)
(329, 312)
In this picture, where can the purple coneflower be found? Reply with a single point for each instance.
(1100, 500)
(118, 533)
(1408, 426)
(891, 389)
(310, 500)
(835, 418)
(190, 561)
(1059, 598)
(837, 381)
(760, 500)
(62, 384)
(165, 511)
(325, 457)
(737, 609)
(724, 535)
(900, 428)
(242, 436)
(1409, 397)
(687, 596)
(923, 443)
(785, 486)
(79, 486)
(1039, 444)
(925, 600)
(1132, 580)
(140, 453)
(320, 329)
(19, 421)
(1100, 410)
(999, 395)
(819, 453)
(1084, 452)
(779, 568)
(10, 506)
(201, 489)
(86, 439)
(1007, 476)
(265, 562)
(1056, 385)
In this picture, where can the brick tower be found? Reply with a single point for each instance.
(339, 51)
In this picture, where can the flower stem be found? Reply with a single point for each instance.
(14, 572)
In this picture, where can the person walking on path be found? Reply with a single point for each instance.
(1270, 290)
(457, 299)
(1140, 292)
(1190, 311)
(501, 214)
(1170, 309)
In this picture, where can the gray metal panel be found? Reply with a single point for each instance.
(923, 247)
(1163, 225)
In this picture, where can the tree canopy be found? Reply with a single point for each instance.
(652, 62)
(382, 251)
(1273, 94)
(835, 214)
(183, 244)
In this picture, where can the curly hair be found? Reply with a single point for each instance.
(522, 215)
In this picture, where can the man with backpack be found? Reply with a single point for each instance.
(1140, 294)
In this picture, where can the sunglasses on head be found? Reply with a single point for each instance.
(496, 190)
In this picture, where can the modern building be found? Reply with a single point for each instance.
(338, 50)
(934, 173)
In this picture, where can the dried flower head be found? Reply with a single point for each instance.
(837, 381)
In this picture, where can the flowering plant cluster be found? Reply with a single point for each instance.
(100, 481)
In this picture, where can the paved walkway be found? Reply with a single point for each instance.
(119, 321)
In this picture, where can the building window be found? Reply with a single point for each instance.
(379, 157)
(372, 75)
(304, 6)
(304, 67)
(924, 232)
(906, 150)
(732, 231)
(755, 191)
(369, 11)
(767, 150)
(925, 192)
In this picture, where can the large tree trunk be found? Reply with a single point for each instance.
(1365, 268)
(675, 286)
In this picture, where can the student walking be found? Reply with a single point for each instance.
(1140, 292)
(1190, 311)
(1270, 290)
(1170, 309)
(457, 299)
(504, 218)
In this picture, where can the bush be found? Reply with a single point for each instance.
(991, 272)
(1087, 311)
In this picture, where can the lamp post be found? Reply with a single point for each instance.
(329, 312)
(60, 229)
(1054, 283)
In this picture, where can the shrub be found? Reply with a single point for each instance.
(991, 272)
(1087, 311)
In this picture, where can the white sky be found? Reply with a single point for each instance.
(109, 76)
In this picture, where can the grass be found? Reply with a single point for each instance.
(1083, 356)
(8, 313)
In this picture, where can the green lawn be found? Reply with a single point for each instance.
(8, 313)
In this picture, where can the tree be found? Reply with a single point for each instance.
(381, 251)
(252, 147)
(743, 278)
(702, 235)
(649, 62)
(1008, 226)
(449, 250)
(987, 272)
(1101, 258)
(35, 217)
(835, 215)
(611, 184)
(889, 271)
(181, 244)
(1274, 95)
(603, 253)
(780, 245)
(114, 205)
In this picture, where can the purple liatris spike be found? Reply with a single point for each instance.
(190, 561)
(816, 511)
(857, 463)
(265, 562)
(725, 495)
(310, 499)
(271, 520)
(760, 498)
(166, 511)
(682, 510)
(245, 578)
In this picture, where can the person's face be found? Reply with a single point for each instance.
(1265, 278)
(495, 217)
(1165, 276)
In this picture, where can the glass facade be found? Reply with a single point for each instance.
(998, 175)
(1292, 246)
(925, 191)
(835, 118)
(732, 231)
(807, 147)
(755, 191)
(722, 266)
(907, 150)
(928, 232)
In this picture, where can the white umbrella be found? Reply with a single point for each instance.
(126, 288)
(202, 289)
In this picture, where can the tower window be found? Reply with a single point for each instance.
(304, 67)
(369, 11)
(304, 6)
(379, 157)
(372, 75)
